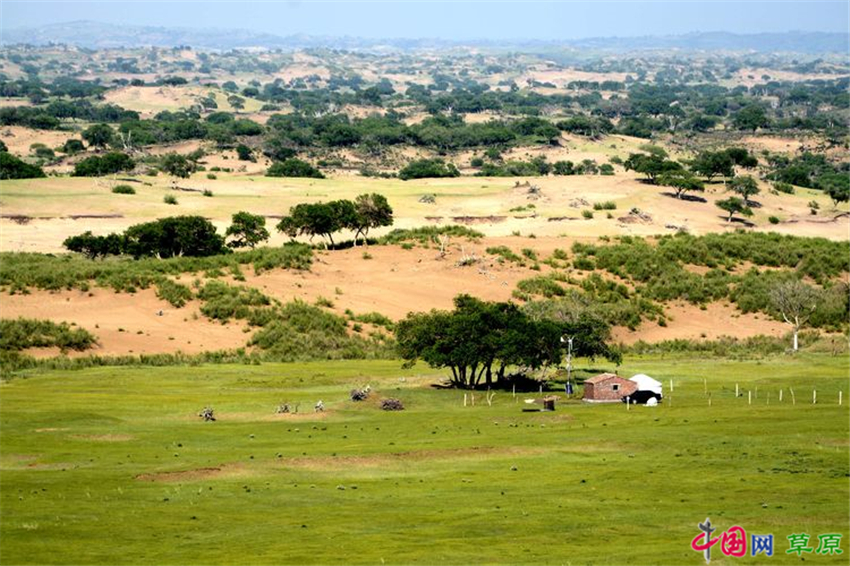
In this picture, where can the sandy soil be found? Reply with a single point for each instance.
(105, 313)
(19, 139)
(395, 281)
(687, 321)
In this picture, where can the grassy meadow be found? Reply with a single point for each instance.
(113, 466)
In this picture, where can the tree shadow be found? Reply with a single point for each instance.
(737, 220)
(685, 197)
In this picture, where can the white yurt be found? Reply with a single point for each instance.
(647, 388)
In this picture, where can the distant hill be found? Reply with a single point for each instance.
(98, 35)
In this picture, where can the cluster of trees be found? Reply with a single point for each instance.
(191, 236)
(367, 211)
(812, 171)
(293, 167)
(106, 164)
(480, 340)
(13, 168)
(428, 168)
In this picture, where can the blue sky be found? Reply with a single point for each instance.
(449, 19)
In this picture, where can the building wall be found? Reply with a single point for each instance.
(603, 392)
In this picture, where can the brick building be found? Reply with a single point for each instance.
(607, 388)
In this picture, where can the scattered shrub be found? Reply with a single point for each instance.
(123, 190)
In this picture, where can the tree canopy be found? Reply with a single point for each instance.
(479, 339)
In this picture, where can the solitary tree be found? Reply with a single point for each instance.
(681, 181)
(745, 186)
(710, 164)
(734, 205)
(99, 135)
(838, 193)
(372, 211)
(177, 165)
(652, 165)
(796, 302)
(247, 230)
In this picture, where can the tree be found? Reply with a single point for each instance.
(13, 168)
(192, 236)
(428, 168)
(107, 164)
(293, 168)
(478, 337)
(651, 165)
(372, 211)
(745, 186)
(316, 219)
(681, 181)
(838, 191)
(93, 246)
(742, 157)
(796, 302)
(73, 146)
(247, 230)
(99, 135)
(177, 165)
(236, 102)
(751, 117)
(709, 164)
(734, 205)
(244, 153)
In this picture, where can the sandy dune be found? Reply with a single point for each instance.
(125, 323)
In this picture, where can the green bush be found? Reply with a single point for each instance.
(505, 254)
(123, 190)
(173, 292)
(13, 168)
(428, 168)
(22, 333)
(169, 199)
(303, 332)
(223, 302)
(428, 233)
(110, 163)
(293, 167)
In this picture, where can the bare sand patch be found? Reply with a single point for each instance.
(224, 471)
(127, 323)
(329, 463)
(19, 139)
(689, 322)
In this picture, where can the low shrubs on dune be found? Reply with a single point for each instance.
(22, 271)
(22, 333)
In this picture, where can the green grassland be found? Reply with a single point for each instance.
(86, 457)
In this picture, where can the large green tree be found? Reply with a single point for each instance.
(99, 135)
(745, 186)
(734, 205)
(372, 211)
(247, 230)
(175, 236)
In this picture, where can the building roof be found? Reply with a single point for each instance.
(602, 377)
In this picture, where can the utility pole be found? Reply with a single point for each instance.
(569, 386)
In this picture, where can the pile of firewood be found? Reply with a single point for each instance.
(392, 405)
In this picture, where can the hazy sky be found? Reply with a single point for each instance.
(448, 19)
